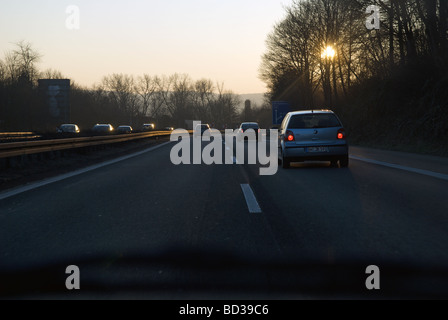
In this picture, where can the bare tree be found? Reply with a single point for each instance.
(223, 109)
(202, 98)
(145, 88)
(159, 99)
(179, 102)
(120, 89)
(51, 74)
(21, 63)
(3, 72)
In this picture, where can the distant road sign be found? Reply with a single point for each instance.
(279, 110)
(55, 94)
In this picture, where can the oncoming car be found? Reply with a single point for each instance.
(103, 129)
(148, 127)
(316, 135)
(124, 130)
(69, 128)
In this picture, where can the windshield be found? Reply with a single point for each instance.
(250, 126)
(310, 121)
(339, 192)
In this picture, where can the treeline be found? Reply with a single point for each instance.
(164, 100)
(118, 99)
(389, 84)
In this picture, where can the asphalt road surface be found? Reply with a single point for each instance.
(384, 207)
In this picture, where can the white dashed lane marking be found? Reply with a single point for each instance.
(251, 200)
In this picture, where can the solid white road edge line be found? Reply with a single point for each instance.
(32, 186)
(251, 201)
(409, 169)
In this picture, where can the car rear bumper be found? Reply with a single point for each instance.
(301, 154)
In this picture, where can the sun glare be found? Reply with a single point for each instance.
(328, 53)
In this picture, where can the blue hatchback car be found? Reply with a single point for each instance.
(316, 135)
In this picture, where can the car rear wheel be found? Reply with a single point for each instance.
(344, 162)
(286, 163)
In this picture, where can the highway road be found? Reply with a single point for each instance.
(384, 207)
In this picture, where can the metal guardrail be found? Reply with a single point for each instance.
(7, 137)
(15, 149)
(2, 134)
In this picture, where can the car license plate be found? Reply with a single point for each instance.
(317, 149)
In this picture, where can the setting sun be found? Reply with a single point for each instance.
(328, 53)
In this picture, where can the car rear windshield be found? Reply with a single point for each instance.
(312, 121)
(250, 126)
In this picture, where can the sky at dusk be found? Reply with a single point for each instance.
(221, 40)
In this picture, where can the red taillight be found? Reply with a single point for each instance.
(289, 136)
(341, 134)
